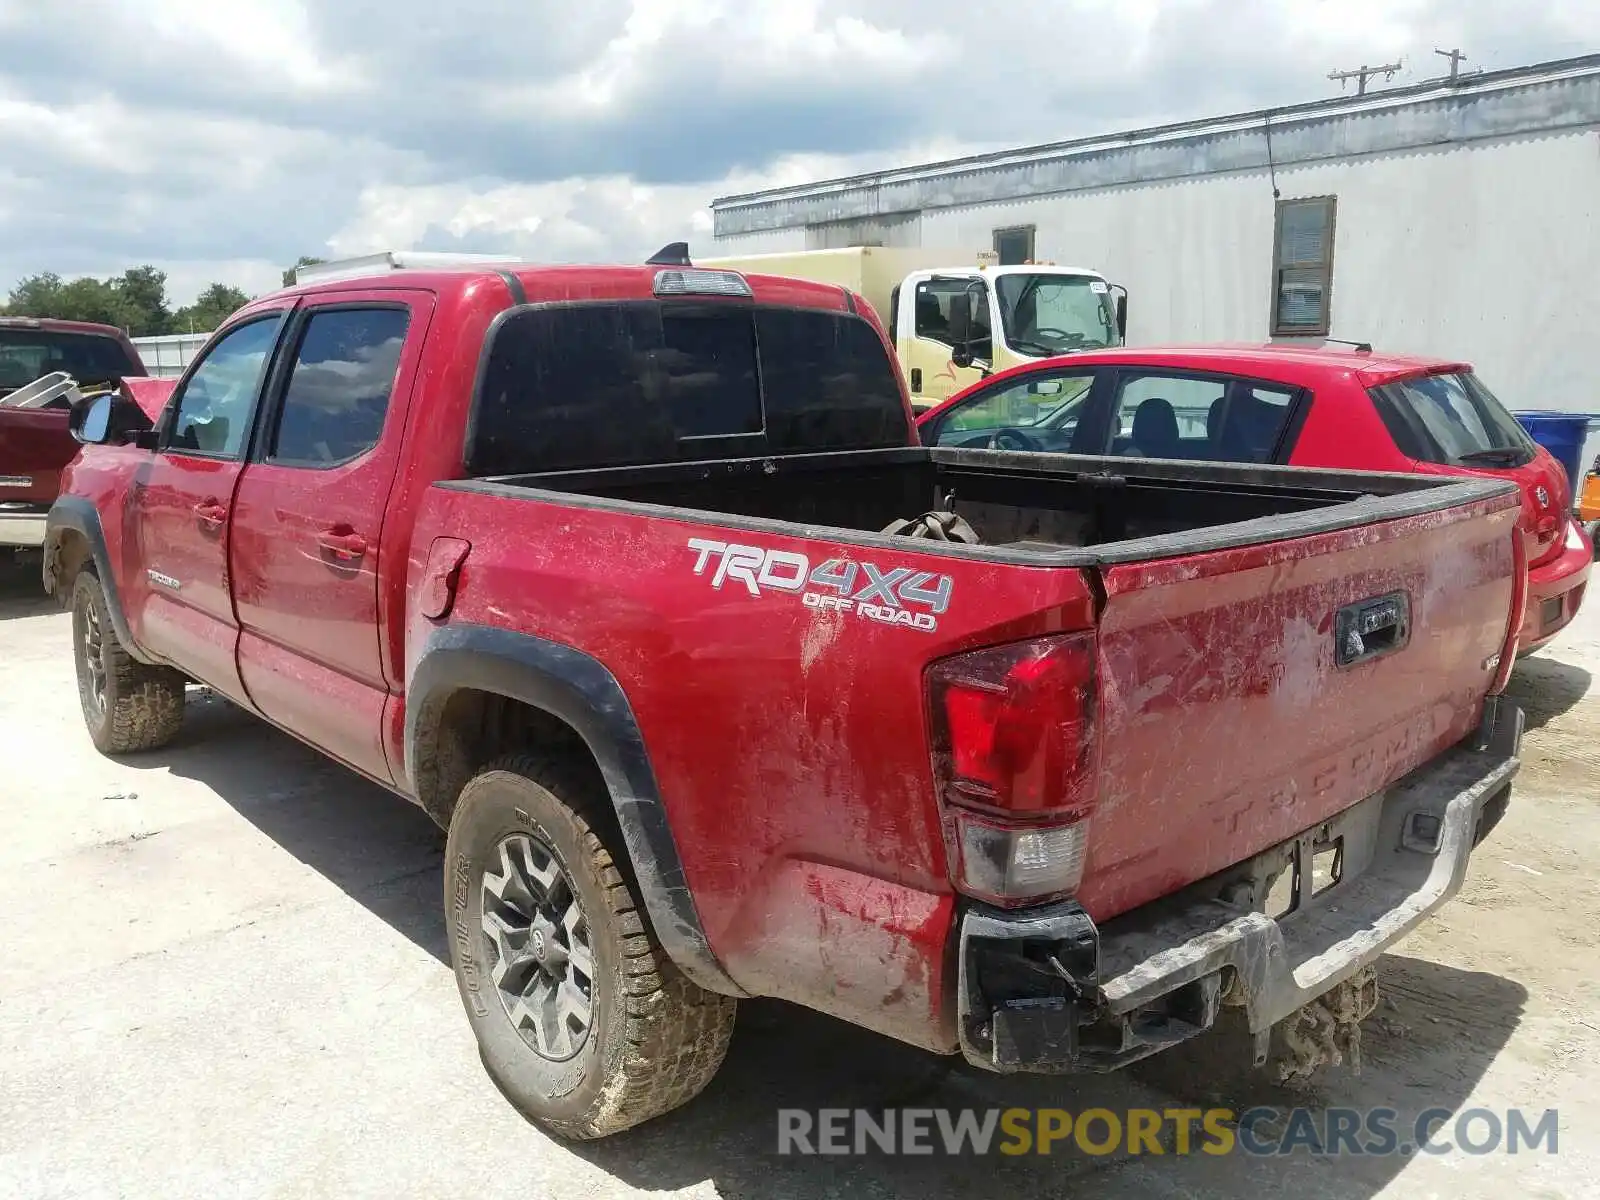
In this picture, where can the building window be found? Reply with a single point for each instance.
(1015, 245)
(1302, 273)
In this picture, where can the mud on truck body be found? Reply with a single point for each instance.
(638, 581)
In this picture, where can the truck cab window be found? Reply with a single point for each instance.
(597, 385)
(707, 367)
(215, 406)
(933, 299)
(29, 354)
(339, 388)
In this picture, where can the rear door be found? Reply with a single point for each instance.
(177, 592)
(1201, 417)
(1238, 711)
(309, 519)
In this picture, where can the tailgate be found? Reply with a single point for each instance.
(1252, 691)
(35, 446)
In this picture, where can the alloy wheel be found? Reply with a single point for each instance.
(543, 961)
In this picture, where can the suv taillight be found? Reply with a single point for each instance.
(1015, 762)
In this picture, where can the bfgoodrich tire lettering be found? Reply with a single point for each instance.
(654, 1039)
(128, 706)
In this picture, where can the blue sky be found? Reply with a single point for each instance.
(220, 139)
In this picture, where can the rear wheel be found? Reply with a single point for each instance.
(128, 705)
(581, 1019)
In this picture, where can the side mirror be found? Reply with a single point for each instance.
(90, 422)
(961, 325)
(1122, 311)
(110, 419)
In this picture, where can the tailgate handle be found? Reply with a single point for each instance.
(1371, 628)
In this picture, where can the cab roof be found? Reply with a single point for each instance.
(546, 283)
(56, 325)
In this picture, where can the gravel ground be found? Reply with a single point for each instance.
(225, 971)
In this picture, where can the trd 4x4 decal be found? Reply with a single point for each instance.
(893, 596)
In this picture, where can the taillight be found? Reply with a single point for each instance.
(1015, 762)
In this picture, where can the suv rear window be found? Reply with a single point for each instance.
(29, 354)
(1450, 419)
(592, 385)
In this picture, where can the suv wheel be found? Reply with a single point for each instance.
(581, 1020)
(127, 705)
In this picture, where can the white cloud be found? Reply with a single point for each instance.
(224, 139)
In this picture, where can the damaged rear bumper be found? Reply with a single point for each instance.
(1046, 990)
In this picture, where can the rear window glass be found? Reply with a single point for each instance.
(29, 354)
(827, 382)
(592, 385)
(1450, 419)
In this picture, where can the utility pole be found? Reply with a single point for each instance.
(1365, 73)
(1456, 59)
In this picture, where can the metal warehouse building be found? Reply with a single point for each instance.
(1457, 218)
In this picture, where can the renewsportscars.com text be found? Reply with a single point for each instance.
(1329, 1132)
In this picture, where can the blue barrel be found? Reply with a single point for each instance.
(1563, 434)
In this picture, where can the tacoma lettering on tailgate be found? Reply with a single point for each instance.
(891, 597)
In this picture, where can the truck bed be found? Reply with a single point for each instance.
(1055, 510)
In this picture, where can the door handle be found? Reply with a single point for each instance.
(346, 546)
(211, 513)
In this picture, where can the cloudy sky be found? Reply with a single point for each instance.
(220, 139)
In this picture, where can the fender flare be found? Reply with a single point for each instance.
(579, 691)
(77, 514)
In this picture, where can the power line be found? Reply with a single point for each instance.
(1363, 74)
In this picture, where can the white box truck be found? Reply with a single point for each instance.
(951, 325)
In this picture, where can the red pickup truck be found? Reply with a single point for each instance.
(638, 581)
(34, 443)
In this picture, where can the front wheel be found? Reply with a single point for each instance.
(128, 705)
(581, 1019)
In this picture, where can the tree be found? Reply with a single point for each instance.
(211, 308)
(143, 292)
(85, 299)
(35, 296)
(305, 260)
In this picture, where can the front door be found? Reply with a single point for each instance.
(178, 597)
(308, 522)
(923, 341)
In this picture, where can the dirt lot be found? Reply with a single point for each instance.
(225, 971)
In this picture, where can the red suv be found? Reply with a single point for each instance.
(1349, 409)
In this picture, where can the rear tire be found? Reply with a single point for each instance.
(582, 1021)
(128, 706)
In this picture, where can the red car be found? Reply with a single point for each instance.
(1348, 409)
(636, 579)
(34, 443)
